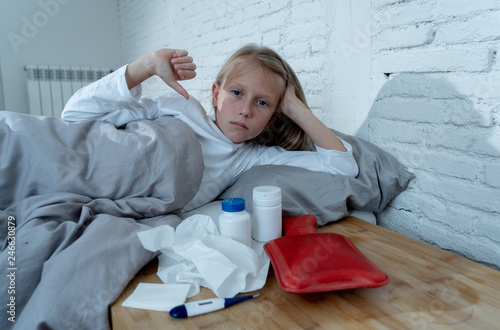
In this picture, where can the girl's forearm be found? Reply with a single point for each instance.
(319, 133)
(139, 70)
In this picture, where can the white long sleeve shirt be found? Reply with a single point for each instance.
(110, 99)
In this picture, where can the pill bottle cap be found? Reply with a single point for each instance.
(233, 205)
(267, 192)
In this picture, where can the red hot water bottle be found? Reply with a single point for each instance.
(307, 261)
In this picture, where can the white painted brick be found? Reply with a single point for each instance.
(408, 36)
(441, 236)
(464, 86)
(462, 219)
(461, 191)
(306, 12)
(275, 21)
(488, 224)
(452, 137)
(307, 30)
(271, 38)
(495, 61)
(312, 81)
(495, 116)
(464, 8)
(489, 142)
(303, 63)
(315, 102)
(457, 224)
(424, 110)
(277, 5)
(481, 27)
(378, 4)
(223, 24)
(443, 162)
(457, 58)
(396, 131)
(318, 45)
(257, 10)
(402, 14)
(247, 28)
(456, 165)
(406, 223)
(483, 85)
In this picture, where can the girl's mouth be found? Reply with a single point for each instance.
(239, 125)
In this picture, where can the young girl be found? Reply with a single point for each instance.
(261, 115)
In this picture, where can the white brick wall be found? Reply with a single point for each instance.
(418, 78)
(437, 112)
(212, 30)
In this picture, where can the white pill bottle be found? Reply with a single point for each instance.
(266, 219)
(234, 220)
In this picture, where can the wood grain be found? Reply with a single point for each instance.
(429, 289)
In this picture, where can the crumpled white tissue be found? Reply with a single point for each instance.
(196, 253)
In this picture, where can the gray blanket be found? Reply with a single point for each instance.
(76, 195)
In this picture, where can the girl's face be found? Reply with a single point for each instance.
(245, 104)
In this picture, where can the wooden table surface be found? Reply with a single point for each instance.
(429, 289)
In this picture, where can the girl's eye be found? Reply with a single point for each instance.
(262, 103)
(235, 92)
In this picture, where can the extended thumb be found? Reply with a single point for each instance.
(179, 89)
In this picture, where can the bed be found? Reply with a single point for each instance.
(75, 195)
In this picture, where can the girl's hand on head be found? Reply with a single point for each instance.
(290, 104)
(318, 132)
(172, 65)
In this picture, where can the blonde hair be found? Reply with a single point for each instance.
(282, 131)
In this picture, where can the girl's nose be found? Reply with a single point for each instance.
(246, 109)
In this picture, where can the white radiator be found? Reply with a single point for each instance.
(50, 87)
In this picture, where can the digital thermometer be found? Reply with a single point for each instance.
(206, 306)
